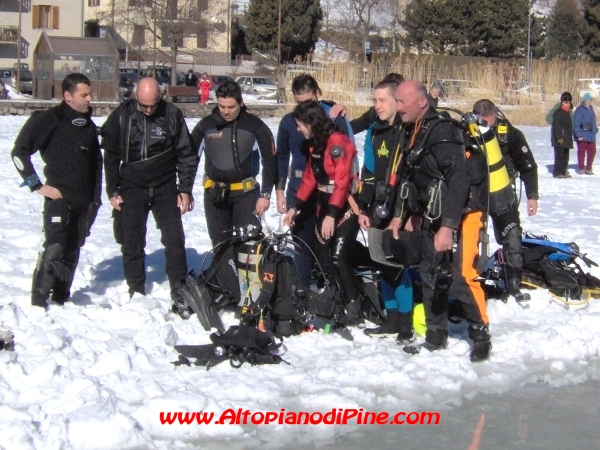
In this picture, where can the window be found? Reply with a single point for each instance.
(202, 39)
(93, 2)
(44, 16)
(139, 35)
(167, 34)
(172, 9)
(139, 3)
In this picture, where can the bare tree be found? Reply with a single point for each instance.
(170, 27)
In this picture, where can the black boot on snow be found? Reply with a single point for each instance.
(482, 342)
(406, 332)
(179, 305)
(481, 350)
(513, 284)
(433, 342)
(391, 325)
(353, 314)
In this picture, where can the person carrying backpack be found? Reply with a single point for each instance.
(519, 160)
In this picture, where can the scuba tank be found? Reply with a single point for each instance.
(249, 257)
(501, 192)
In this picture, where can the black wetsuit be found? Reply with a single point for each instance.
(68, 144)
(149, 160)
(234, 152)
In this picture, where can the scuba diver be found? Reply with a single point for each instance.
(504, 209)
(330, 171)
(435, 190)
(379, 178)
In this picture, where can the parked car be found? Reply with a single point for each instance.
(127, 84)
(9, 77)
(163, 75)
(257, 85)
(133, 70)
(525, 94)
(454, 88)
(218, 80)
(591, 85)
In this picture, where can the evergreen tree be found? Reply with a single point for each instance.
(469, 27)
(300, 26)
(565, 27)
(433, 25)
(591, 16)
(504, 28)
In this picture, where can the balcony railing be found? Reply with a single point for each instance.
(8, 34)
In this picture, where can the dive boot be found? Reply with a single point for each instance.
(180, 307)
(513, 284)
(433, 342)
(353, 314)
(391, 325)
(482, 342)
(481, 350)
(406, 332)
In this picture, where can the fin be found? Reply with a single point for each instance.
(186, 294)
(370, 291)
(376, 250)
(202, 304)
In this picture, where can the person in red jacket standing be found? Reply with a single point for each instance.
(331, 170)
(204, 86)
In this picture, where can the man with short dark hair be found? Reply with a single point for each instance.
(67, 140)
(519, 161)
(150, 166)
(235, 144)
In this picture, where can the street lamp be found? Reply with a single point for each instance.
(384, 34)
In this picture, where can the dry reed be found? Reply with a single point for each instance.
(350, 83)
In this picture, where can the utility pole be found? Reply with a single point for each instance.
(279, 40)
(529, 44)
(18, 80)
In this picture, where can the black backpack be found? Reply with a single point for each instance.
(284, 305)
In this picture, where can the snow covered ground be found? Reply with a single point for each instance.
(96, 373)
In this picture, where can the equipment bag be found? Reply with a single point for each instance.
(548, 264)
(239, 344)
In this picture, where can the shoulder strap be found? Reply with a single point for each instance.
(369, 160)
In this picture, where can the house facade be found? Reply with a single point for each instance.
(196, 31)
(55, 17)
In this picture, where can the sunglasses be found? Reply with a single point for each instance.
(141, 105)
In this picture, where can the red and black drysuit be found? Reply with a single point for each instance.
(332, 172)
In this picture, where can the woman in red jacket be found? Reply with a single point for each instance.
(333, 171)
(204, 86)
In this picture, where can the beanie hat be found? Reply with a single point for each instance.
(566, 97)
(587, 96)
